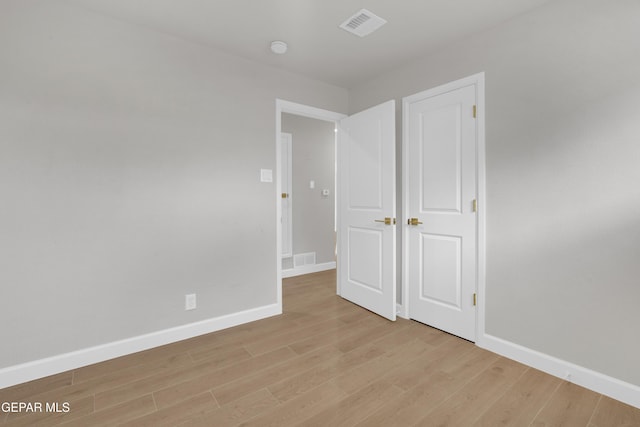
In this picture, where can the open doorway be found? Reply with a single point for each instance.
(366, 224)
(293, 111)
(307, 176)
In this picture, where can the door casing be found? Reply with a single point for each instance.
(286, 200)
(283, 106)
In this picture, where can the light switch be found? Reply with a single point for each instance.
(312, 184)
(266, 175)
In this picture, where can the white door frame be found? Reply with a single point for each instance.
(478, 81)
(289, 167)
(283, 106)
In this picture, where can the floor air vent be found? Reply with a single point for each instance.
(363, 23)
(300, 260)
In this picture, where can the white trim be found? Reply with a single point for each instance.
(476, 80)
(402, 311)
(54, 365)
(399, 310)
(288, 138)
(307, 269)
(481, 217)
(596, 381)
(307, 111)
(278, 204)
(405, 208)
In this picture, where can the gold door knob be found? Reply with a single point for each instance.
(413, 221)
(387, 220)
(285, 195)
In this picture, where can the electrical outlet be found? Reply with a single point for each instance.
(190, 302)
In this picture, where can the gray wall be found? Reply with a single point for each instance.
(129, 176)
(313, 159)
(563, 208)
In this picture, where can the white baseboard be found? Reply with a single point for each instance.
(53, 365)
(402, 312)
(600, 383)
(307, 269)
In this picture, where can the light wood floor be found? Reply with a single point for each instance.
(325, 362)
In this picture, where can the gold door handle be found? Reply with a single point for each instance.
(285, 195)
(387, 220)
(413, 221)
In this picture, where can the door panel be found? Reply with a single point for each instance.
(440, 172)
(441, 189)
(440, 275)
(364, 183)
(365, 258)
(366, 186)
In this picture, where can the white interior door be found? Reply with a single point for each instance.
(286, 165)
(441, 190)
(366, 209)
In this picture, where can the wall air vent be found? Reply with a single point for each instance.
(362, 23)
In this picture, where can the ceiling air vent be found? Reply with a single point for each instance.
(363, 23)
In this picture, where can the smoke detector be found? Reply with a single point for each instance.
(363, 23)
(278, 47)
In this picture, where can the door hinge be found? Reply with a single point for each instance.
(475, 299)
(475, 111)
(474, 205)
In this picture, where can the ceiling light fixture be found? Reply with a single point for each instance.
(278, 47)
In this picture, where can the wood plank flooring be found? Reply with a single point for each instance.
(324, 362)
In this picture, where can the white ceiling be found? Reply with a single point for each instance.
(317, 47)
